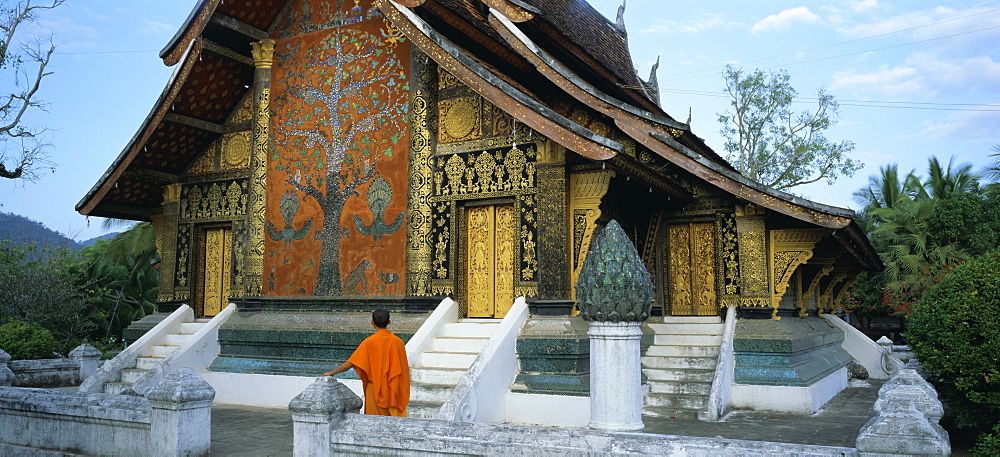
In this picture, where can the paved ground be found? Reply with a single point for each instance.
(241, 430)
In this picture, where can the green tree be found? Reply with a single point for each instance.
(955, 333)
(772, 144)
(40, 287)
(24, 63)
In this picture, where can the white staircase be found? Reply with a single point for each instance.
(680, 365)
(154, 355)
(439, 368)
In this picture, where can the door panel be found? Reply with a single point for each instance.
(216, 267)
(692, 270)
(489, 260)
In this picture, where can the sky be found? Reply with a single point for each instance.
(914, 79)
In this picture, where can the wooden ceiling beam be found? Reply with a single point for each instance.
(239, 26)
(147, 174)
(199, 124)
(226, 52)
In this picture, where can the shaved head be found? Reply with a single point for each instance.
(380, 317)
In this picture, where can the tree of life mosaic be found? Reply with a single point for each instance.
(340, 137)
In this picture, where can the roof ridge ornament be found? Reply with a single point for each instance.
(652, 84)
(620, 20)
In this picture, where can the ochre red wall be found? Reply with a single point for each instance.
(314, 88)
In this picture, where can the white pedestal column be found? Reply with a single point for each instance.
(615, 376)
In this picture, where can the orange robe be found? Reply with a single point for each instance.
(380, 361)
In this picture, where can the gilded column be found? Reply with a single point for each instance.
(755, 278)
(165, 226)
(263, 55)
(586, 191)
(423, 109)
(553, 224)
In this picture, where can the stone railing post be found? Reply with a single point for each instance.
(6, 375)
(886, 344)
(906, 420)
(615, 294)
(181, 415)
(315, 411)
(87, 357)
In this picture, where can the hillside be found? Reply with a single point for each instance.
(21, 230)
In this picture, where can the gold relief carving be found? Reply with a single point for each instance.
(486, 168)
(244, 113)
(703, 244)
(479, 267)
(218, 258)
(235, 151)
(754, 276)
(680, 270)
(551, 152)
(490, 260)
(205, 162)
(504, 284)
(790, 248)
(214, 201)
(253, 276)
(826, 296)
(489, 143)
(837, 300)
(811, 289)
(263, 53)
(171, 193)
(460, 119)
(586, 191)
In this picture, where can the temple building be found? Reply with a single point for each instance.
(309, 161)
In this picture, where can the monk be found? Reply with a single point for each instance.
(380, 361)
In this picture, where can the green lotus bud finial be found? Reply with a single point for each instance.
(614, 285)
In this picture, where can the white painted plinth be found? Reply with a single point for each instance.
(789, 399)
(615, 376)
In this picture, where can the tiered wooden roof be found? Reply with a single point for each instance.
(518, 54)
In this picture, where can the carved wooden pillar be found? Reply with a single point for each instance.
(586, 191)
(423, 111)
(253, 275)
(165, 227)
(553, 224)
(789, 249)
(755, 278)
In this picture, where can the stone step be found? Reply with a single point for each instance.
(687, 329)
(459, 345)
(160, 350)
(688, 320)
(687, 340)
(683, 351)
(695, 402)
(434, 359)
(679, 387)
(657, 374)
(441, 376)
(131, 375)
(423, 409)
(469, 329)
(479, 320)
(116, 388)
(191, 327)
(683, 363)
(673, 413)
(148, 362)
(176, 339)
(430, 392)
(203, 320)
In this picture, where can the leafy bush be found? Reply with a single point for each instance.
(25, 341)
(955, 333)
(989, 443)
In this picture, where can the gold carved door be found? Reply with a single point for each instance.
(692, 270)
(489, 260)
(215, 270)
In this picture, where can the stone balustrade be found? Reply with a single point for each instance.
(906, 419)
(62, 372)
(174, 420)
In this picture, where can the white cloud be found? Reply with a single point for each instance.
(701, 23)
(864, 6)
(785, 19)
(895, 81)
(979, 72)
(966, 125)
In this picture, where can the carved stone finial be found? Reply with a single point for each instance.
(263, 53)
(614, 285)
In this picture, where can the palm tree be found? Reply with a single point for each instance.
(942, 183)
(992, 171)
